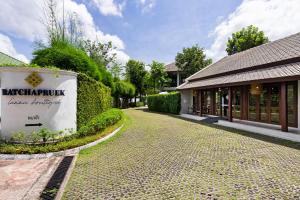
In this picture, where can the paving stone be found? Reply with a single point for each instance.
(162, 157)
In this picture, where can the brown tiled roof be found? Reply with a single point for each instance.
(171, 67)
(262, 75)
(272, 52)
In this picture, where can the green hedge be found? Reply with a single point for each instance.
(93, 98)
(169, 103)
(100, 122)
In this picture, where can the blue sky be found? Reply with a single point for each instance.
(151, 29)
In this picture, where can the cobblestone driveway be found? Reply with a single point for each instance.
(162, 157)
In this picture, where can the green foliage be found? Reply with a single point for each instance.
(68, 57)
(100, 122)
(140, 104)
(43, 135)
(151, 91)
(191, 60)
(245, 39)
(101, 53)
(105, 122)
(158, 75)
(18, 137)
(124, 89)
(66, 48)
(168, 103)
(135, 73)
(93, 98)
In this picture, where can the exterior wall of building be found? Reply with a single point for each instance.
(27, 112)
(299, 104)
(186, 100)
(274, 103)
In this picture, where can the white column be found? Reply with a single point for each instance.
(186, 100)
(177, 78)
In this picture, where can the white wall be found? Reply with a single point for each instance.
(186, 100)
(58, 116)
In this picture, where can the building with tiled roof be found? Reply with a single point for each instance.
(260, 84)
(6, 59)
(175, 76)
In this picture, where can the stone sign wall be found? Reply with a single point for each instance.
(37, 98)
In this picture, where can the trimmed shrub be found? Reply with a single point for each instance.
(168, 103)
(100, 122)
(140, 104)
(124, 90)
(68, 57)
(93, 98)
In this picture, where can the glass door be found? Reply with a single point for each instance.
(224, 102)
(236, 103)
(274, 105)
(263, 105)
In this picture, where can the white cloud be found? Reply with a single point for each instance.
(23, 19)
(121, 57)
(109, 7)
(7, 47)
(276, 18)
(146, 5)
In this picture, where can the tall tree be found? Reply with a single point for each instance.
(101, 53)
(191, 60)
(135, 73)
(65, 28)
(158, 74)
(245, 39)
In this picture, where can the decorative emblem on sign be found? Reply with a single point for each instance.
(34, 79)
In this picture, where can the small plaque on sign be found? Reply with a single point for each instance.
(34, 79)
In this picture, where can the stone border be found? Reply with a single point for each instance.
(58, 153)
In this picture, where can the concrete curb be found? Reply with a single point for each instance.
(59, 153)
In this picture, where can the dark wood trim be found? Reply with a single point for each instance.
(200, 102)
(244, 104)
(263, 66)
(213, 101)
(283, 107)
(296, 103)
(221, 110)
(230, 104)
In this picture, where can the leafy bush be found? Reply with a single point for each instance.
(137, 104)
(140, 104)
(93, 98)
(124, 90)
(66, 56)
(43, 135)
(18, 137)
(168, 103)
(100, 122)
